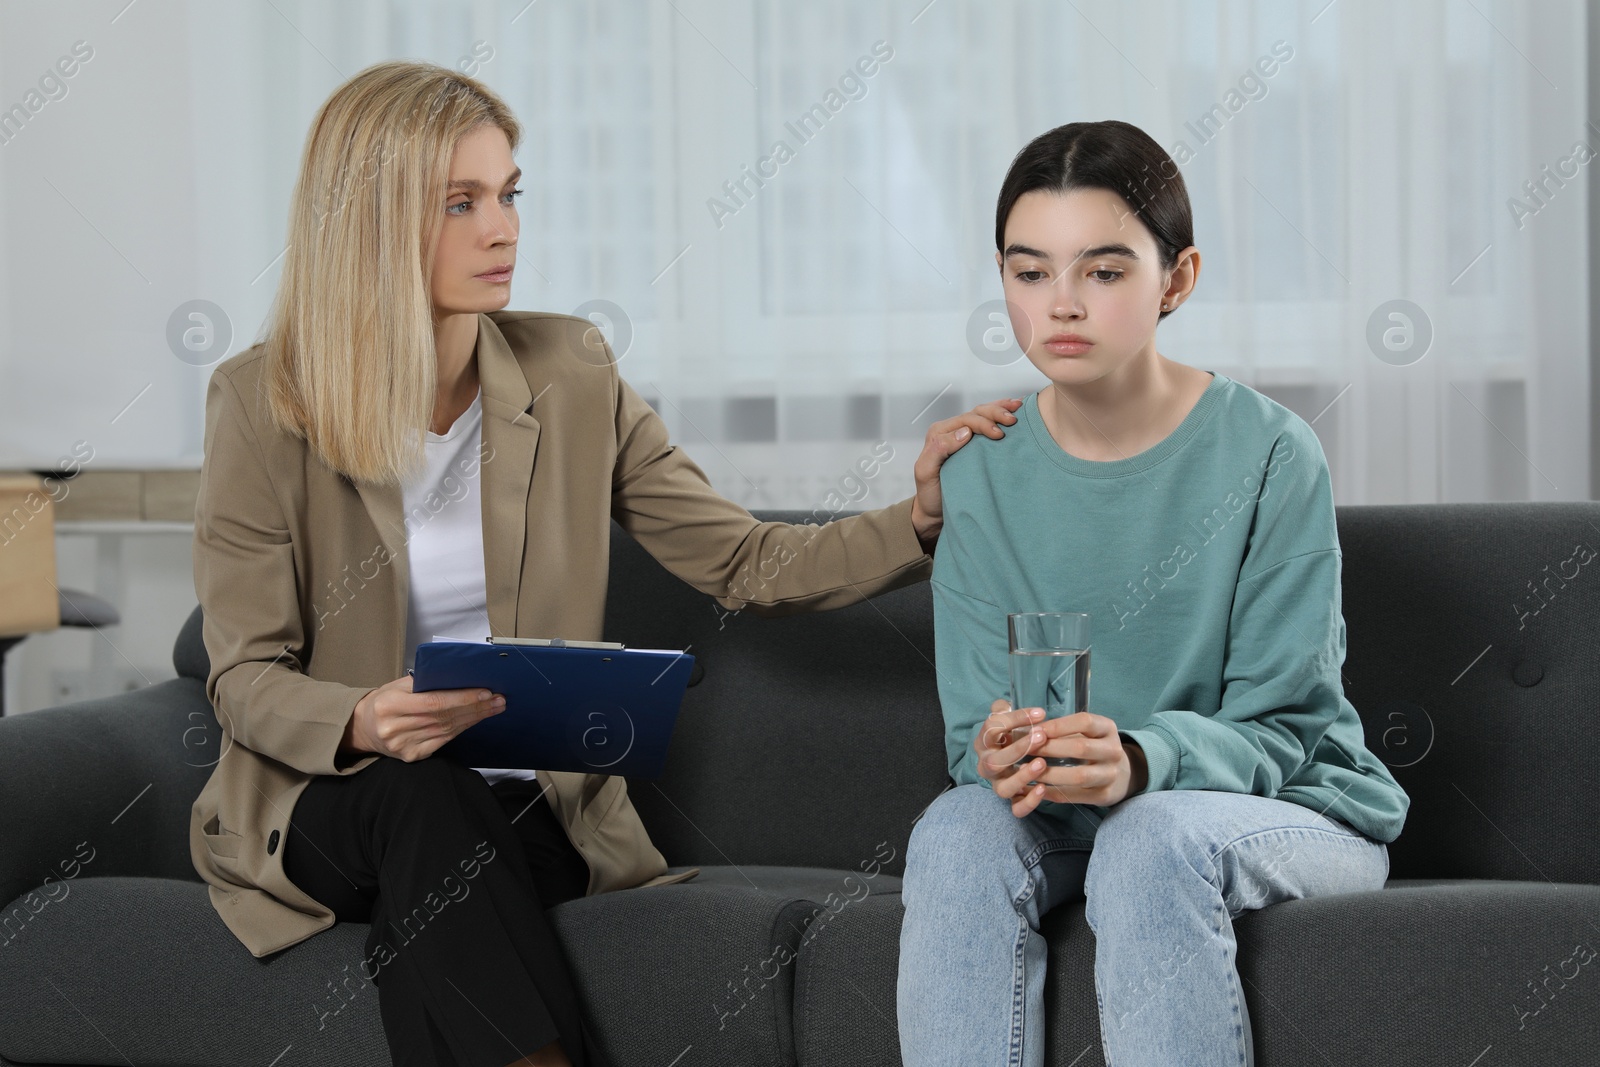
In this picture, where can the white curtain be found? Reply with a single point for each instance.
(790, 326)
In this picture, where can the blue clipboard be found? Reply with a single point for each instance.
(594, 711)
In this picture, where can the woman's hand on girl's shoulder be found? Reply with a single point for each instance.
(944, 439)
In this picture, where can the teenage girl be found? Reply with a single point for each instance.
(1221, 768)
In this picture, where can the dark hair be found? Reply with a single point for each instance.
(1112, 155)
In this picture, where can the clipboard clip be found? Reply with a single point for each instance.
(556, 642)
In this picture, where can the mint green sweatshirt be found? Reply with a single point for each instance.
(1210, 566)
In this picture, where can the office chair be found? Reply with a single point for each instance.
(77, 609)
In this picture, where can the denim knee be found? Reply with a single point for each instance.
(967, 836)
(1147, 838)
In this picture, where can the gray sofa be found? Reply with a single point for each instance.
(805, 750)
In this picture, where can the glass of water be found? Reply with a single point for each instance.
(1049, 668)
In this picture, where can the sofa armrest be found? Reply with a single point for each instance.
(104, 787)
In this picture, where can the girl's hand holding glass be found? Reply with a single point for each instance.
(1005, 739)
(1108, 770)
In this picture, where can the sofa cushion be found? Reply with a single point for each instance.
(1427, 974)
(104, 786)
(844, 988)
(142, 970)
(1421, 974)
(706, 965)
(116, 970)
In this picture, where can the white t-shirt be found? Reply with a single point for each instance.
(444, 546)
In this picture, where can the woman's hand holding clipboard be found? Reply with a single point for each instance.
(394, 720)
(584, 706)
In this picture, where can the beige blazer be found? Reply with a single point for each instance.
(303, 578)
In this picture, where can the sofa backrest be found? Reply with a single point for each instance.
(1472, 640)
(812, 738)
(809, 739)
(1473, 634)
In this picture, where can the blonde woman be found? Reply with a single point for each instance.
(398, 458)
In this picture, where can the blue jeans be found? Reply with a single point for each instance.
(1162, 876)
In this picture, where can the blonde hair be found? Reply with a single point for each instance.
(350, 361)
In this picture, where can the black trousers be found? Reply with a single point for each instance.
(454, 875)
